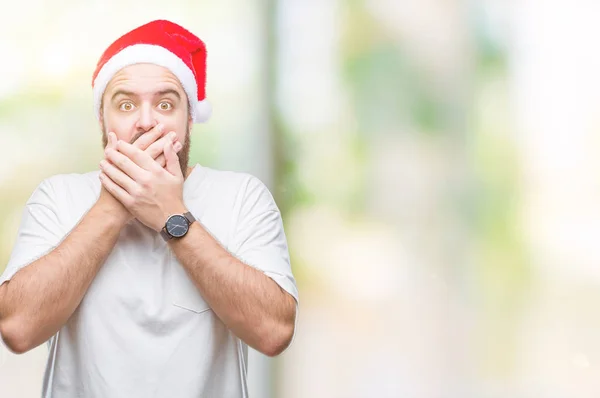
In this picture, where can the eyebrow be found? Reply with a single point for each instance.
(160, 93)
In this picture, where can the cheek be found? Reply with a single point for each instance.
(181, 134)
(173, 127)
(123, 129)
(122, 134)
(179, 126)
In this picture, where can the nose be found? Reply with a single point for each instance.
(146, 120)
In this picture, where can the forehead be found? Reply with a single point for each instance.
(144, 79)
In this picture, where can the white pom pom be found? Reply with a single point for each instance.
(203, 111)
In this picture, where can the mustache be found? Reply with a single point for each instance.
(135, 137)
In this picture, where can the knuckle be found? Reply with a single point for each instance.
(117, 161)
(138, 157)
(136, 193)
(140, 192)
(109, 154)
(145, 181)
(153, 150)
(160, 143)
(129, 202)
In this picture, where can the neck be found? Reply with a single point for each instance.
(187, 172)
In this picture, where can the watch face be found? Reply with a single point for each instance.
(177, 226)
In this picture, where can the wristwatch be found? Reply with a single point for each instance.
(177, 226)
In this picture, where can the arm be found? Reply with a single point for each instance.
(250, 303)
(41, 297)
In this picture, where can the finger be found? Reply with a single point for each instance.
(125, 164)
(116, 175)
(172, 160)
(177, 147)
(161, 160)
(137, 156)
(115, 190)
(109, 145)
(109, 140)
(115, 141)
(156, 148)
(149, 137)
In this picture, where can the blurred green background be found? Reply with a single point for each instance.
(435, 162)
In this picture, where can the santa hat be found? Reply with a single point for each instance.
(161, 43)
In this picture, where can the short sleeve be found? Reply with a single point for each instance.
(260, 240)
(39, 232)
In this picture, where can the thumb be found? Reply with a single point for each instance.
(172, 160)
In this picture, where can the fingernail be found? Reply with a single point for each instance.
(172, 135)
(177, 146)
(159, 126)
(102, 163)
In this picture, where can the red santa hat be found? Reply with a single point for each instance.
(161, 43)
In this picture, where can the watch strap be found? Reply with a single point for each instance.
(190, 217)
(165, 235)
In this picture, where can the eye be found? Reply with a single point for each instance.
(126, 106)
(165, 106)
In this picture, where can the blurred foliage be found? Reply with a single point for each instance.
(388, 88)
(501, 277)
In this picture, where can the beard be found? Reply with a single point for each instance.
(183, 154)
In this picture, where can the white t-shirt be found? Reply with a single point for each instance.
(143, 329)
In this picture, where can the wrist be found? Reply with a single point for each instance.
(115, 217)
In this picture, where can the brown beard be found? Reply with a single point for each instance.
(183, 154)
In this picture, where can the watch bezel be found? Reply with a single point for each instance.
(169, 222)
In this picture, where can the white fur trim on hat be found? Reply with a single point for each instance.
(148, 53)
(203, 111)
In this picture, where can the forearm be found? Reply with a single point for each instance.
(41, 297)
(248, 302)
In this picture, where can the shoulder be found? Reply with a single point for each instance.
(242, 182)
(59, 186)
(228, 177)
(66, 180)
(248, 190)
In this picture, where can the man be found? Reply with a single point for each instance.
(149, 278)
